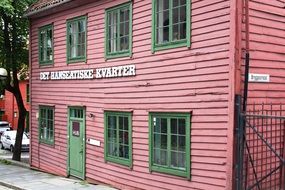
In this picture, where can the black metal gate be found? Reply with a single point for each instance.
(260, 147)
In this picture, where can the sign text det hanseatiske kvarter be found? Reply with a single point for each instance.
(108, 72)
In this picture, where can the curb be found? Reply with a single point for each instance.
(10, 186)
(16, 163)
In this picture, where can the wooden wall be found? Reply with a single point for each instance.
(181, 79)
(267, 49)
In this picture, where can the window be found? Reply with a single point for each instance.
(46, 45)
(46, 124)
(118, 138)
(118, 39)
(28, 93)
(171, 24)
(76, 39)
(170, 143)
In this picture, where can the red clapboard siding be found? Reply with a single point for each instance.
(267, 47)
(177, 80)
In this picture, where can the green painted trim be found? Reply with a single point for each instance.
(39, 127)
(49, 62)
(67, 147)
(114, 159)
(153, 17)
(188, 22)
(78, 58)
(150, 142)
(171, 44)
(84, 139)
(166, 169)
(124, 53)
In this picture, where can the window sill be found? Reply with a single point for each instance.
(45, 63)
(47, 142)
(76, 60)
(170, 171)
(117, 55)
(170, 45)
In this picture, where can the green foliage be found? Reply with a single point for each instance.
(6, 5)
(11, 14)
(4, 161)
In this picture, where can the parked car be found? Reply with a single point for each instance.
(4, 126)
(8, 140)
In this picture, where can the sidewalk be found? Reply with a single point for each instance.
(23, 178)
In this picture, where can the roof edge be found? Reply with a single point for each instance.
(32, 13)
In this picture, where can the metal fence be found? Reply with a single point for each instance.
(260, 147)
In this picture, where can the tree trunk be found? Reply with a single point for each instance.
(21, 126)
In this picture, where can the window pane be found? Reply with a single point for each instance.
(163, 142)
(181, 160)
(160, 157)
(81, 26)
(182, 30)
(176, 3)
(156, 125)
(112, 149)
(112, 122)
(163, 158)
(163, 125)
(157, 140)
(175, 15)
(162, 22)
(124, 43)
(121, 123)
(111, 135)
(181, 143)
(174, 142)
(174, 159)
(182, 126)
(112, 32)
(178, 160)
(174, 127)
(124, 151)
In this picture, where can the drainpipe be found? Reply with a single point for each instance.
(247, 57)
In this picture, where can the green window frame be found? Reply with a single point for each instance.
(76, 40)
(46, 124)
(170, 24)
(118, 137)
(28, 93)
(169, 143)
(118, 31)
(46, 45)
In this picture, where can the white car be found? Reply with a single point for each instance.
(4, 126)
(8, 140)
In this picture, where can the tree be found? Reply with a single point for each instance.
(14, 56)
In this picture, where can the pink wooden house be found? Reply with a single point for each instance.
(141, 94)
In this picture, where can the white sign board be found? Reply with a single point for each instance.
(108, 72)
(94, 142)
(253, 77)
